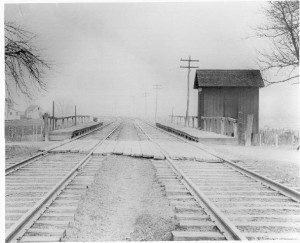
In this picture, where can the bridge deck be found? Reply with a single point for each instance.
(196, 134)
(70, 132)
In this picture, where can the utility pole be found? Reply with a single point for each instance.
(188, 85)
(145, 94)
(75, 115)
(53, 123)
(156, 87)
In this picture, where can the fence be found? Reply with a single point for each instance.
(228, 126)
(278, 137)
(24, 130)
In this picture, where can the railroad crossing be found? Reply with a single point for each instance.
(213, 198)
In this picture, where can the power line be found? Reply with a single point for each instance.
(156, 87)
(188, 84)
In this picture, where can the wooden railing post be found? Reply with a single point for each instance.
(222, 126)
(235, 134)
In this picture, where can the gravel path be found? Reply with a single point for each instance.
(125, 202)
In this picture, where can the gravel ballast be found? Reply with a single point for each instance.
(125, 202)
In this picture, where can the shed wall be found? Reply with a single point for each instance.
(227, 102)
(249, 104)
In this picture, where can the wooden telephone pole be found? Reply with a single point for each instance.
(188, 85)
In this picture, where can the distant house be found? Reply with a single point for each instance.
(33, 112)
(224, 93)
(10, 112)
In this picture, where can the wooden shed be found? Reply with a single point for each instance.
(222, 94)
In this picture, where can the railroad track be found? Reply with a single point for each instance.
(218, 200)
(13, 165)
(43, 190)
(213, 198)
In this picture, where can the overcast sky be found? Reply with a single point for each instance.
(107, 55)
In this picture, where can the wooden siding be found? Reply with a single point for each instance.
(230, 96)
(227, 102)
(213, 102)
(249, 104)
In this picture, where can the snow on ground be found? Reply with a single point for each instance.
(17, 151)
(280, 164)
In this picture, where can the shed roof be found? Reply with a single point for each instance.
(228, 78)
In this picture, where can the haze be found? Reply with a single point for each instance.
(107, 55)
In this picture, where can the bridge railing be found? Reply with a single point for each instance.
(180, 120)
(53, 123)
(222, 125)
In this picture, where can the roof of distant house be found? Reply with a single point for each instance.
(228, 78)
(32, 107)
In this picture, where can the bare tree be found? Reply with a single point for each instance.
(282, 29)
(24, 68)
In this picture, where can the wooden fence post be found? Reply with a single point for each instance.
(32, 132)
(22, 133)
(276, 140)
(260, 139)
(46, 128)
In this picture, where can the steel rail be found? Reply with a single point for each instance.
(289, 192)
(19, 228)
(231, 232)
(40, 155)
